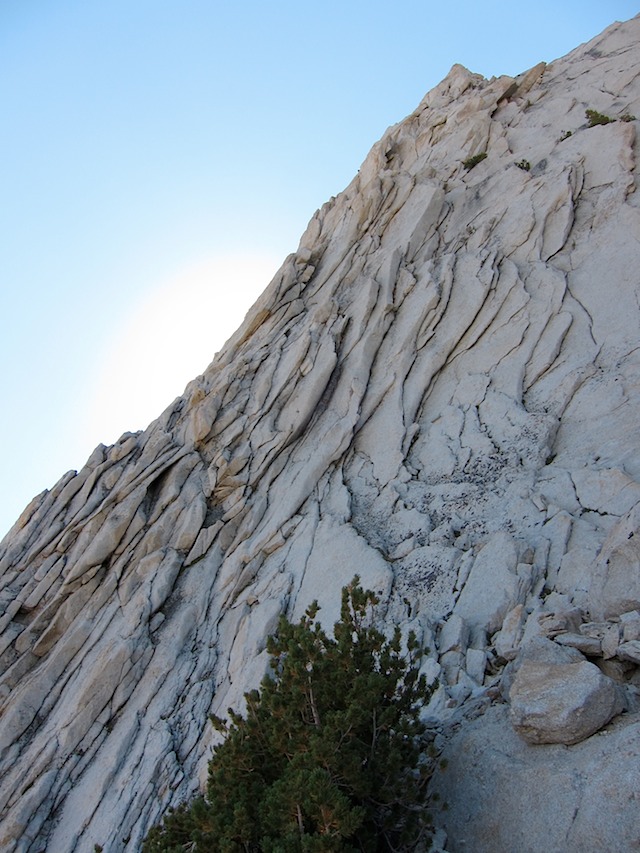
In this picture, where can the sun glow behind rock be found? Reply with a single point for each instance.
(171, 337)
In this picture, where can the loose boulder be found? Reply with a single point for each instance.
(562, 702)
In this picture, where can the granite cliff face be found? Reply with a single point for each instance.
(440, 390)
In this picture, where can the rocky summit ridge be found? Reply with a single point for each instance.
(440, 390)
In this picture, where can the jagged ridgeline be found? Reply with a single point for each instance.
(438, 391)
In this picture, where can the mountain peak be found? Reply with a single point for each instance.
(438, 390)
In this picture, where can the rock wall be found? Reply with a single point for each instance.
(440, 391)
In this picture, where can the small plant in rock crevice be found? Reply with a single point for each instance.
(594, 118)
(470, 162)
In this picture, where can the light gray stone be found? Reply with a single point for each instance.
(629, 651)
(542, 650)
(493, 588)
(560, 621)
(616, 569)
(590, 646)
(611, 640)
(630, 623)
(475, 664)
(561, 702)
(504, 794)
(507, 640)
(453, 635)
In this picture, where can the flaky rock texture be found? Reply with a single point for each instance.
(440, 391)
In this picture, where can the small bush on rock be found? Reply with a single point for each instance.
(594, 118)
(330, 755)
(470, 162)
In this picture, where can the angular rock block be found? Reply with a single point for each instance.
(562, 702)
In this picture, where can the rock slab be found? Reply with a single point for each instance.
(506, 795)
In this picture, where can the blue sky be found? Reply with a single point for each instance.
(160, 158)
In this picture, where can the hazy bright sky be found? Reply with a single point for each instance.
(160, 158)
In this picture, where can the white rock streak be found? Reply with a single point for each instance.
(438, 391)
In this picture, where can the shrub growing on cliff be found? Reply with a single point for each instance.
(471, 162)
(594, 118)
(329, 756)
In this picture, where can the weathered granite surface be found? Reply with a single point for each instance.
(505, 795)
(440, 391)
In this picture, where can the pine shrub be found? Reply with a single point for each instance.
(330, 755)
